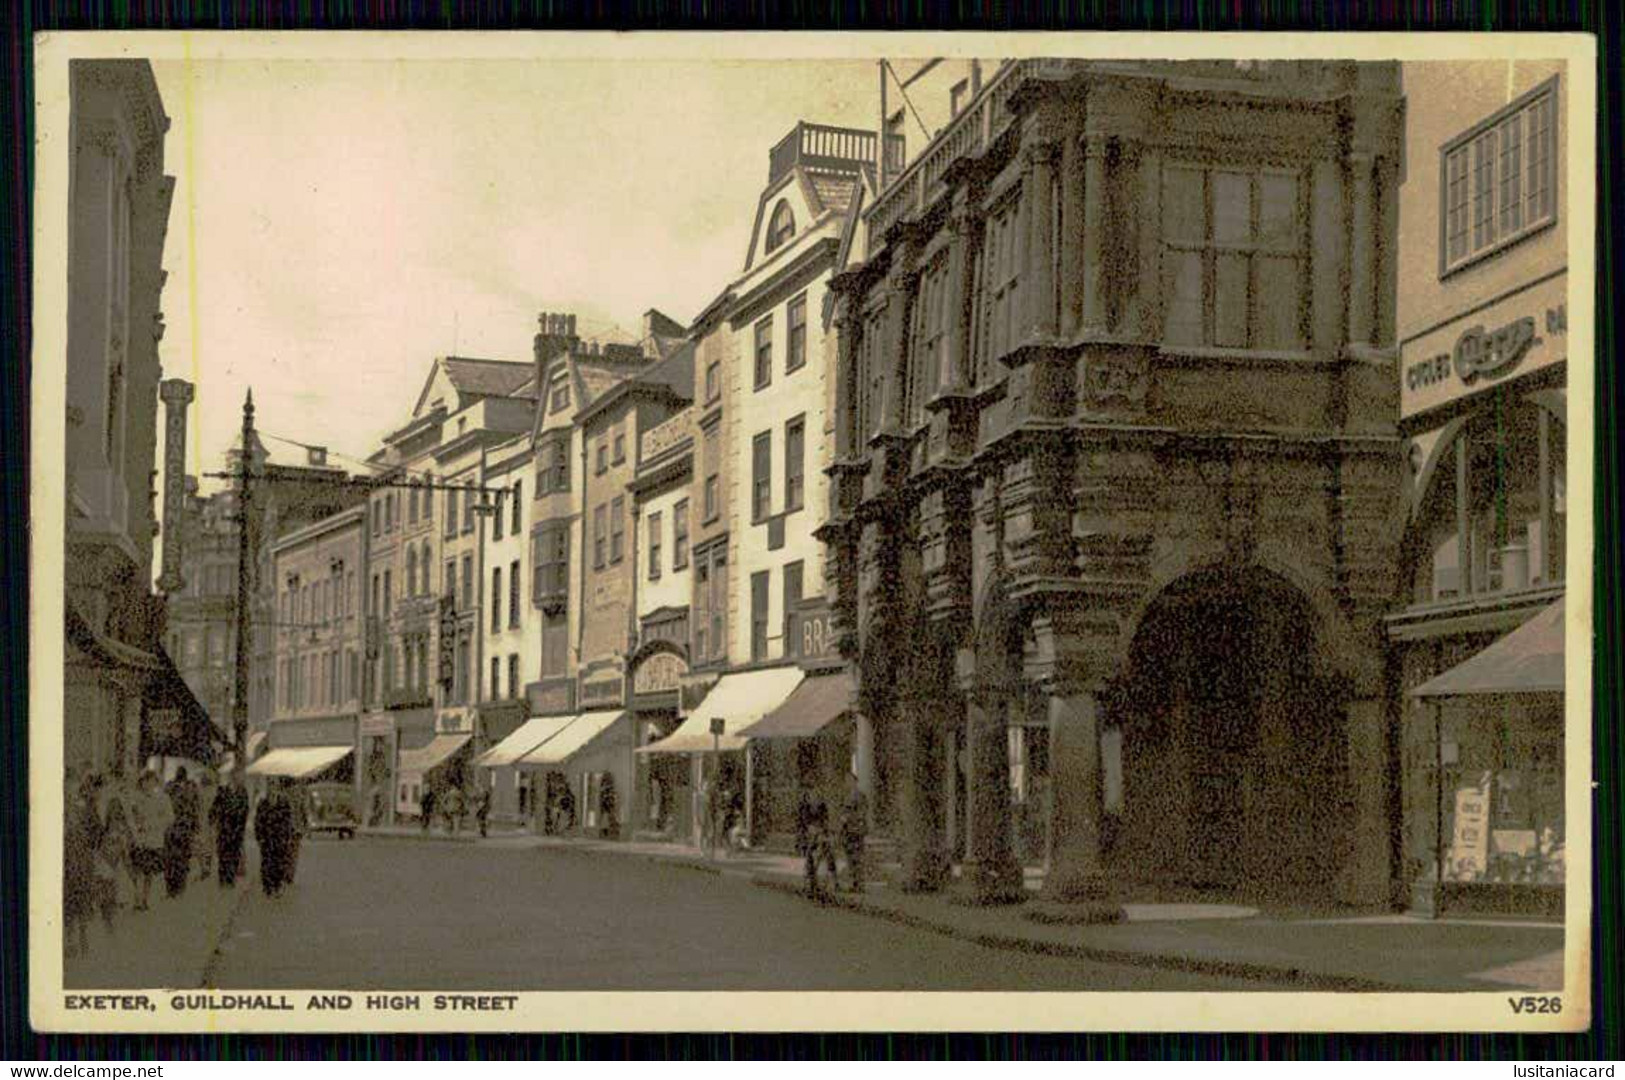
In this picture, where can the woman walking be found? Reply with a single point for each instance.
(80, 840)
(152, 818)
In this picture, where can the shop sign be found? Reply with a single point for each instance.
(1523, 333)
(1469, 841)
(377, 724)
(448, 641)
(812, 634)
(601, 692)
(659, 672)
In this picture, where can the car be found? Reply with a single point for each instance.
(330, 808)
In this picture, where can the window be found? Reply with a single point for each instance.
(412, 506)
(761, 476)
(956, 96)
(498, 521)
(764, 352)
(713, 381)
(617, 528)
(1002, 249)
(711, 458)
(389, 592)
(1234, 251)
(468, 582)
(389, 512)
(468, 509)
(758, 615)
(426, 563)
(655, 524)
(428, 499)
(464, 671)
(602, 454)
(620, 446)
(930, 353)
(552, 466)
(599, 530)
(496, 677)
(792, 600)
(679, 535)
(871, 378)
(795, 334)
(711, 508)
(782, 226)
(513, 594)
(513, 675)
(795, 465)
(451, 513)
(550, 553)
(411, 570)
(711, 603)
(555, 644)
(496, 599)
(377, 511)
(1498, 180)
(451, 578)
(518, 501)
(375, 607)
(561, 396)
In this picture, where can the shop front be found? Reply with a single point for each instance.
(661, 781)
(440, 765)
(710, 740)
(578, 775)
(375, 772)
(806, 744)
(1477, 644)
(512, 800)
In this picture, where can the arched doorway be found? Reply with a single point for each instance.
(1233, 743)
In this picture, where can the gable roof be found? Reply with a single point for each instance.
(472, 377)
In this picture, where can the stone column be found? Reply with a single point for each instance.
(1071, 240)
(925, 856)
(176, 395)
(967, 231)
(847, 323)
(1368, 871)
(1362, 261)
(1093, 316)
(863, 755)
(1075, 783)
(1041, 241)
(991, 870)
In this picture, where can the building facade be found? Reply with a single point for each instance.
(1483, 411)
(119, 201)
(319, 641)
(1114, 519)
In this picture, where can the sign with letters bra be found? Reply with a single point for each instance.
(1516, 335)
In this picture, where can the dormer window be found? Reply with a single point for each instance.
(782, 226)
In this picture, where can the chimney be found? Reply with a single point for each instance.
(556, 335)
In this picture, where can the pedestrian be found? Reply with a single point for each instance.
(711, 829)
(179, 838)
(118, 837)
(567, 809)
(151, 816)
(203, 844)
(854, 830)
(229, 821)
(454, 810)
(274, 832)
(812, 838)
(81, 839)
(482, 810)
(426, 809)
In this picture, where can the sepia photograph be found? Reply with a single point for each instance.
(910, 521)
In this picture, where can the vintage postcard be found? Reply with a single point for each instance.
(792, 532)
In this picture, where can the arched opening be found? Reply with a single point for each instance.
(781, 227)
(1232, 744)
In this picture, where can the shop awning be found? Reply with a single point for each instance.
(435, 752)
(740, 700)
(531, 734)
(819, 700)
(176, 724)
(572, 739)
(297, 762)
(1529, 660)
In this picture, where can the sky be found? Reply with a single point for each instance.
(337, 225)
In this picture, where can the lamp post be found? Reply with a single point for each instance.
(718, 724)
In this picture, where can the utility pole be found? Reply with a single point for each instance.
(239, 699)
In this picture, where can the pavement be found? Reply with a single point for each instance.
(1297, 947)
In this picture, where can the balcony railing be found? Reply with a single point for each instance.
(817, 146)
(983, 119)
